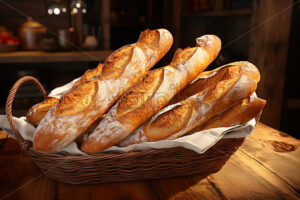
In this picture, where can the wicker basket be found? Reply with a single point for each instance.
(117, 167)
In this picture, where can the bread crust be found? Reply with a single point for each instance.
(139, 96)
(225, 87)
(207, 78)
(83, 96)
(90, 74)
(121, 70)
(164, 83)
(180, 113)
(239, 114)
(37, 112)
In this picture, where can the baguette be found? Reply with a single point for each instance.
(208, 78)
(231, 84)
(37, 112)
(237, 115)
(151, 94)
(84, 104)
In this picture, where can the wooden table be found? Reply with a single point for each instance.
(266, 166)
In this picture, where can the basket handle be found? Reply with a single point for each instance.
(8, 108)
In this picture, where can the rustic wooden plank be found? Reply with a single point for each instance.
(125, 190)
(172, 22)
(20, 177)
(38, 185)
(268, 51)
(277, 151)
(105, 22)
(10, 146)
(244, 178)
(190, 187)
(76, 21)
(52, 57)
(176, 22)
(150, 12)
(241, 178)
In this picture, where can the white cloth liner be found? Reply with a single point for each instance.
(198, 142)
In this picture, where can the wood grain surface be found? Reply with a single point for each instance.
(269, 39)
(266, 166)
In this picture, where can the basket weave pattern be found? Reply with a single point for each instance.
(117, 167)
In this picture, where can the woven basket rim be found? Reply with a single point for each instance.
(132, 166)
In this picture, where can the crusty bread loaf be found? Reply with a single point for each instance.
(239, 114)
(84, 104)
(222, 89)
(152, 93)
(208, 78)
(37, 112)
(89, 74)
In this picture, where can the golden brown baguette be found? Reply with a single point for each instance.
(84, 104)
(37, 112)
(236, 115)
(151, 94)
(208, 78)
(231, 84)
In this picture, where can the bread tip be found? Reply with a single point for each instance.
(84, 147)
(90, 147)
(207, 40)
(42, 145)
(166, 33)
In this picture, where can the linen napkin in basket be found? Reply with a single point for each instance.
(198, 142)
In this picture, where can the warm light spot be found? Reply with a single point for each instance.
(50, 12)
(64, 10)
(74, 11)
(83, 10)
(78, 5)
(56, 11)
